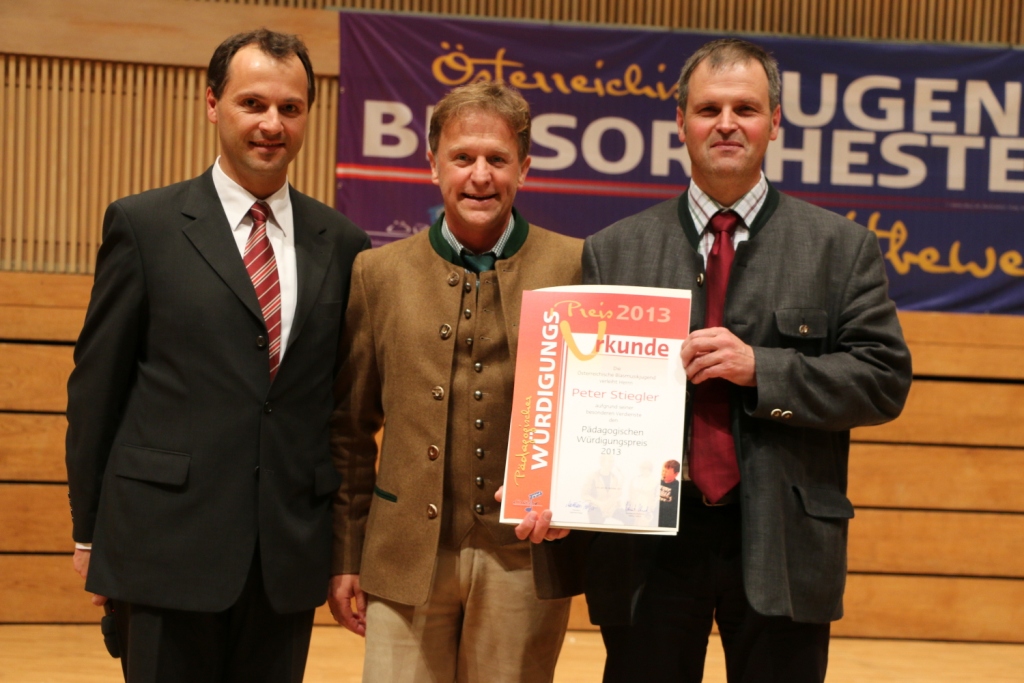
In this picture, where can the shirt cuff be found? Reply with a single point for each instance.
(83, 546)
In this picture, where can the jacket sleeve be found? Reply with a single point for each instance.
(106, 356)
(357, 418)
(864, 375)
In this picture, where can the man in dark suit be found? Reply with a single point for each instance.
(199, 468)
(794, 341)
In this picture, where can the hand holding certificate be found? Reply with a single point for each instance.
(600, 395)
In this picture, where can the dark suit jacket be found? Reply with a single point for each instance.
(181, 454)
(808, 292)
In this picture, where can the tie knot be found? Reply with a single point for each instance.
(260, 212)
(725, 221)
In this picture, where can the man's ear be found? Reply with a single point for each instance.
(680, 124)
(211, 105)
(434, 177)
(776, 121)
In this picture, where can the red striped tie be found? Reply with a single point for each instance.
(262, 267)
(713, 465)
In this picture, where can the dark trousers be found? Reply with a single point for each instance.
(697, 578)
(248, 643)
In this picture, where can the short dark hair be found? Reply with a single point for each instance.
(728, 52)
(277, 45)
(493, 97)
(672, 465)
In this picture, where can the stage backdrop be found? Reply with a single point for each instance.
(920, 143)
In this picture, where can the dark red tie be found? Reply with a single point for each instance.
(262, 267)
(713, 465)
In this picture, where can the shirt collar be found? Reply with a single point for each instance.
(497, 249)
(237, 201)
(703, 207)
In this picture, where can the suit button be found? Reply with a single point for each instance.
(445, 331)
(468, 313)
(776, 413)
(478, 366)
(267, 408)
(479, 509)
(467, 287)
(479, 424)
(437, 392)
(480, 453)
(804, 330)
(700, 279)
(431, 511)
(787, 414)
(261, 342)
(479, 481)
(478, 395)
(433, 452)
(469, 341)
(453, 279)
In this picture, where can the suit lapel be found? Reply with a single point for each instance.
(211, 235)
(312, 257)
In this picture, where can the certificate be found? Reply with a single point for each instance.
(598, 408)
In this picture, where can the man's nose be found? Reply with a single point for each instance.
(727, 120)
(270, 124)
(481, 172)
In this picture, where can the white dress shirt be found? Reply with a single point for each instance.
(703, 207)
(237, 201)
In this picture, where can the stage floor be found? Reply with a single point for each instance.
(75, 654)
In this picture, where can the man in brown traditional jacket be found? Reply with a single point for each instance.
(430, 347)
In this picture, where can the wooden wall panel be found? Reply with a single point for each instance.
(35, 518)
(933, 608)
(32, 447)
(956, 414)
(965, 345)
(936, 477)
(43, 589)
(34, 377)
(941, 543)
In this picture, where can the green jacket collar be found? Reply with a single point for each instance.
(520, 229)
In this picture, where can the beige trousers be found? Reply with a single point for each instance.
(482, 623)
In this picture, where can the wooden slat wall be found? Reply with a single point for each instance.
(77, 134)
(977, 21)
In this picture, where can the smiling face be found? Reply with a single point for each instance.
(726, 127)
(478, 169)
(261, 118)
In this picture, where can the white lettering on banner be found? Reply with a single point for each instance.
(666, 148)
(565, 151)
(792, 110)
(843, 156)
(879, 149)
(1005, 120)
(853, 103)
(808, 156)
(892, 151)
(925, 105)
(1001, 163)
(390, 139)
(956, 156)
(632, 155)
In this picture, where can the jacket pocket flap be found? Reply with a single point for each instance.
(825, 503)
(809, 323)
(325, 479)
(150, 464)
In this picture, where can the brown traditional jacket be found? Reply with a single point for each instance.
(430, 348)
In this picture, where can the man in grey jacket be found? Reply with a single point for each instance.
(794, 342)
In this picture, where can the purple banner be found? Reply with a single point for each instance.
(920, 143)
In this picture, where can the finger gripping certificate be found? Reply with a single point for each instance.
(598, 408)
